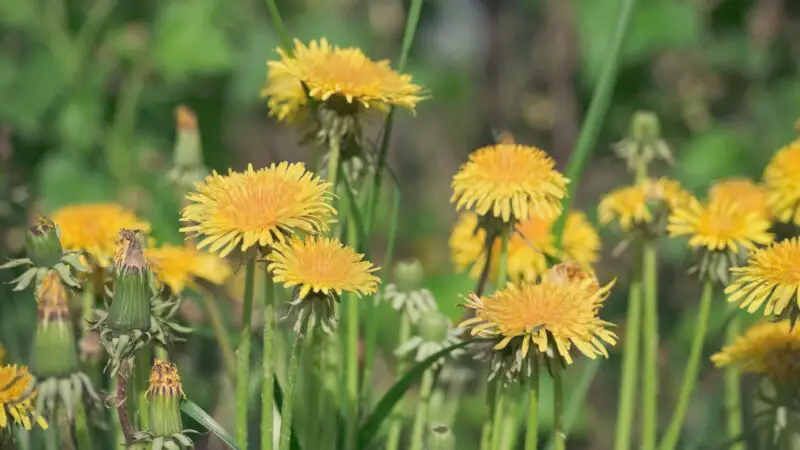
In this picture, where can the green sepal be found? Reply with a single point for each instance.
(16, 263)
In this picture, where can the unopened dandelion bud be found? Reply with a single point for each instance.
(645, 127)
(188, 167)
(408, 276)
(644, 143)
(440, 437)
(130, 307)
(164, 396)
(433, 327)
(42, 244)
(54, 349)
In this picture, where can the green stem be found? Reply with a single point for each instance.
(601, 99)
(141, 373)
(243, 357)
(511, 417)
(502, 272)
(334, 151)
(650, 342)
(670, 439)
(220, 331)
(559, 433)
(275, 14)
(500, 401)
(289, 393)
(532, 430)
(486, 436)
(87, 303)
(421, 416)
(733, 398)
(396, 427)
(630, 361)
(268, 363)
(64, 428)
(82, 433)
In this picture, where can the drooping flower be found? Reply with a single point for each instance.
(94, 227)
(257, 207)
(751, 196)
(345, 76)
(16, 398)
(554, 314)
(771, 279)
(767, 348)
(782, 181)
(178, 266)
(528, 248)
(644, 205)
(509, 181)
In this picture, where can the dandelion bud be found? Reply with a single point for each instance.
(165, 394)
(42, 244)
(645, 127)
(433, 327)
(408, 276)
(130, 308)
(644, 143)
(441, 437)
(54, 350)
(188, 167)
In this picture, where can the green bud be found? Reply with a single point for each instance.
(130, 307)
(408, 276)
(164, 396)
(42, 243)
(441, 438)
(645, 127)
(54, 350)
(433, 327)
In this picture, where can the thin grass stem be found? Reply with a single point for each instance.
(650, 342)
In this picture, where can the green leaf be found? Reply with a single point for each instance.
(397, 391)
(195, 412)
(65, 179)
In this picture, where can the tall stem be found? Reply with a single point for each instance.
(532, 430)
(421, 416)
(289, 393)
(559, 434)
(351, 371)
(220, 332)
(630, 360)
(500, 401)
(670, 439)
(243, 357)
(334, 152)
(268, 371)
(122, 408)
(277, 22)
(396, 427)
(141, 373)
(502, 272)
(82, 433)
(733, 396)
(650, 340)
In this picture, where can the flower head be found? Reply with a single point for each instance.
(16, 397)
(52, 299)
(334, 74)
(94, 227)
(554, 314)
(528, 247)
(179, 266)
(322, 265)
(768, 348)
(719, 226)
(643, 205)
(257, 207)
(782, 181)
(751, 196)
(509, 181)
(771, 276)
(165, 380)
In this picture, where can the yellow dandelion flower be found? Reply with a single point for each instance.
(767, 348)
(94, 227)
(509, 181)
(257, 207)
(329, 72)
(528, 246)
(178, 266)
(719, 226)
(322, 265)
(555, 314)
(782, 181)
(750, 195)
(16, 398)
(771, 276)
(637, 205)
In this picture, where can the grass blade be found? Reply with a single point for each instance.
(397, 391)
(196, 412)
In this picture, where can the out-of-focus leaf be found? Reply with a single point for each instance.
(79, 123)
(64, 179)
(18, 13)
(29, 90)
(188, 39)
(251, 67)
(717, 153)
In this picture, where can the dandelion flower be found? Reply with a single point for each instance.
(331, 73)
(257, 207)
(782, 181)
(94, 227)
(767, 348)
(550, 315)
(528, 247)
(509, 181)
(719, 226)
(178, 266)
(771, 277)
(751, 196)
(16, 398)
(643, 205)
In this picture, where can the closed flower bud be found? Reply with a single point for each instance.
(188, 167)
(433, 327)
(54, 348)
(42, 244)
(644, 143)
(408, 276)
(130, 307)
(164, 396)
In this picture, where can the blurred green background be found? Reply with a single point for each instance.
(88, 89)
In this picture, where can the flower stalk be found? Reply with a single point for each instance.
(733, 396)
(421, 416)
(559, 433)
(396, 426)
(268, 369)
(650, 342)
(532, 428)
(243, 357)
(291, 385)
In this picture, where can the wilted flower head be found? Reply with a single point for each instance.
(767, 348)
(509, 182)
(782, 181)
(257, 207)
(179, 266)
